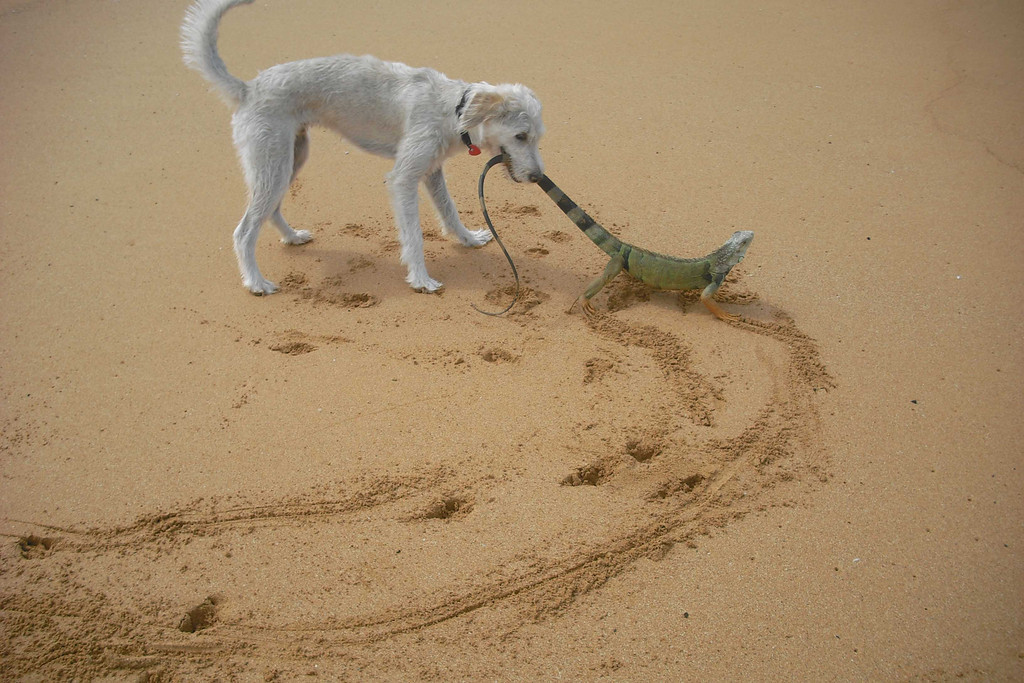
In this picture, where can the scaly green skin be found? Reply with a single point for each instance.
(654, 270)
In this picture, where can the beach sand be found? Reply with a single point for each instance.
(353, 480)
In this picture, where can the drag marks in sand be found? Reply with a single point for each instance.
(655, 450)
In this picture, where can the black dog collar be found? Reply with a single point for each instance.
(473, 149)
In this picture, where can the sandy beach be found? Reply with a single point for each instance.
(352, 480)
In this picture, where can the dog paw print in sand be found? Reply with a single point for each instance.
(359, 230)
(442, 360)
(596, 368)
(558, 236)
(448, 508)
(200, 617)
(35, 547)
(640, 449)
(676, 486)
(529, 298)
(511, 210)
(357, 263)
(330, 291)
(293, 281)
(498, 354)
(294, 347)
(297, 343)
(644, 448)
(587, 475)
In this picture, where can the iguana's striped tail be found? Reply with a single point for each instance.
(608, 243)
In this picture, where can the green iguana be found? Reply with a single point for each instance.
(654, 270)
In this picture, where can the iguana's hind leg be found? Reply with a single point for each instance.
(713, 306)
(613, 268)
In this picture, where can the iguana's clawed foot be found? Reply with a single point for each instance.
(588, 309)
(728, 317)
(719, 313)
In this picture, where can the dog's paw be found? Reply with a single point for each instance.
(427, 285)
(477, 238)
(261, 287)
(300, 237)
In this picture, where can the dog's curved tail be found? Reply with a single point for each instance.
(199, 45)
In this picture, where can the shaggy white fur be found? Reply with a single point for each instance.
(387, 108)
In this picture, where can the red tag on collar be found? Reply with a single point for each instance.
(474, 151)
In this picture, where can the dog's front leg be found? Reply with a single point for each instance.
(403, 186)
(449, 215)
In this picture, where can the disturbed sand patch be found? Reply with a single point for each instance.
(671, 476)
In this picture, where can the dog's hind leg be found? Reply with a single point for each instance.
(267, 161)
(301, 154)
(449, 215)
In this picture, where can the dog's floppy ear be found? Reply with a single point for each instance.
(483, 105)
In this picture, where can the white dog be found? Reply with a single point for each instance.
(416, 116)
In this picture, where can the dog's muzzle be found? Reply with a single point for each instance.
(531, 177)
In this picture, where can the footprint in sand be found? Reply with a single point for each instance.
(449, 507)
(293, 348)
(200, 617)
(678, 485)
(330, 291)
(497, 354)
(35, 547)
(587, 475)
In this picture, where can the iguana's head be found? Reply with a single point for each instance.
(733, 251)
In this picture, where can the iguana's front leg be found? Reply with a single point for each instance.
(712, 305)
(613, 268)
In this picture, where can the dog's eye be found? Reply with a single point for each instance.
(522, 137)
